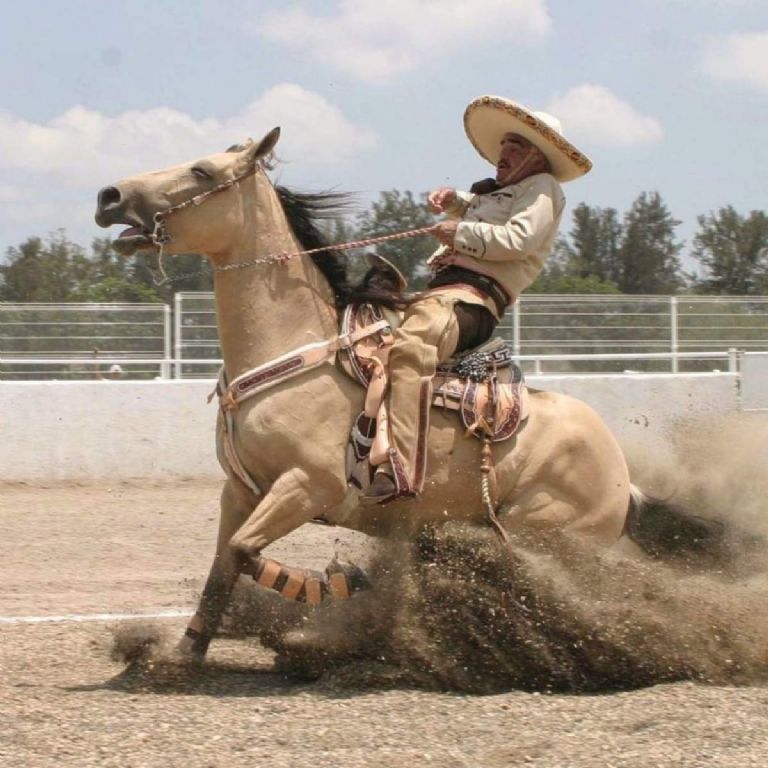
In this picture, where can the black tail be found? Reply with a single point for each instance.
(667, 531)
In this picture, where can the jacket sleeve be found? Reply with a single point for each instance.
(528, 229)
(459, 207)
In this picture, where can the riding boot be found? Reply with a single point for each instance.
(383, 488)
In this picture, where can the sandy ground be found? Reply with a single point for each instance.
(79, 550)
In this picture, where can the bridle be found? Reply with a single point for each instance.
(161, 237)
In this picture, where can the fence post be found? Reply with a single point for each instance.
(177, 335)
(165, 370)
(733, 360)
(673, 329)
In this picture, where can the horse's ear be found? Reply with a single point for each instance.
(267, 144)
(254, 150)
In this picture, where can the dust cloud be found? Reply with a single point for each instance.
(460, 611)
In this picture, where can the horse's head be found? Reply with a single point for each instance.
(164, 207)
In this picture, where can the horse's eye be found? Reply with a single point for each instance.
(200, 173)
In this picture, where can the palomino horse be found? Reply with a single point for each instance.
(563, 470)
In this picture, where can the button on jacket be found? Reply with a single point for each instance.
(506, 234)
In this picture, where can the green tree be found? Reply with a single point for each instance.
(57, 270)
(43, 270)
(648, 260)
(733, 249)
(397, 211)
(592, 249)
(112, 278)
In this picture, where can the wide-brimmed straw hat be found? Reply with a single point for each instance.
(488, 118)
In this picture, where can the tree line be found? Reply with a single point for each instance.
(605, 251)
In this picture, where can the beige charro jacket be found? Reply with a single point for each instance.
(508, 233)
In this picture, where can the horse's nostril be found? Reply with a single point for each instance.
(109, 197)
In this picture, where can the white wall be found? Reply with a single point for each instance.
(165, 429)
(641, 409)
(754, 380)
(107, 429)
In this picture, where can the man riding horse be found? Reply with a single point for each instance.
(493, 246)
(287, 410)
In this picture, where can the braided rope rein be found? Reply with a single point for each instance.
(277, 258)
(160, 236)
(281, 257)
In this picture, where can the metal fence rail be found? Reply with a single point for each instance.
(575, 333)
(195, 336)
(633, 329)
(549, 334)
(77, 341)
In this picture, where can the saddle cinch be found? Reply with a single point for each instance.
(484, 385)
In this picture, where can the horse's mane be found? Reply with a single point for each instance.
(305, 211)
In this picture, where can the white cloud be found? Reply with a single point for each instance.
(373, 40)
(10, 194)
(85, 148)
(595, 114)
(739, 58)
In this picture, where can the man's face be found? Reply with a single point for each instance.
(514, 151)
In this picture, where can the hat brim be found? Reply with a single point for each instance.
(488, 118)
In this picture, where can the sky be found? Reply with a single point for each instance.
(663, 95)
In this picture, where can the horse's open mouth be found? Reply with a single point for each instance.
(133, 239)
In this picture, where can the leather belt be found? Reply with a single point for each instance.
(458, 276)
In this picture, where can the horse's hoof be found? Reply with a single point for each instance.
(187, 651)
(344, 578)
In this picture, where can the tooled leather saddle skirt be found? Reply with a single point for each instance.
(484, 385)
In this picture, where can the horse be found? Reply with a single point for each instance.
(283, 449)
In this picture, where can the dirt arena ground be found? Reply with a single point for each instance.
(76, 551)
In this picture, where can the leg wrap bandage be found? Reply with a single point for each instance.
(312, 587)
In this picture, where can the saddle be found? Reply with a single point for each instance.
(483, 385)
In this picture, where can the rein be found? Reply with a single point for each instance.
(160, 236)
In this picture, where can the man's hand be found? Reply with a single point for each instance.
(445, 232)
(441, 199)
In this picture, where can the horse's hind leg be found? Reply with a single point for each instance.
(237, 503)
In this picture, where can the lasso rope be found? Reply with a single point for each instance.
(277, 258)
(488, 488)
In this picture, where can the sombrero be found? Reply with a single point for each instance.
(488, 118)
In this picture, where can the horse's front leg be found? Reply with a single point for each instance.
(237, 503)
(294, 499)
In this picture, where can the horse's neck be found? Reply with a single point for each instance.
(266, 310)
